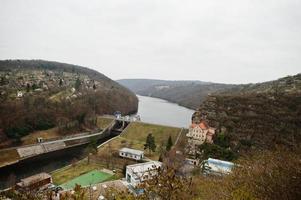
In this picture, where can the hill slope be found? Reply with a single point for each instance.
(185, 93)
(257, 115)
(37, 94)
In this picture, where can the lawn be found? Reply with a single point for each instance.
(67, 173)
(135, 136)
(103, 122)
(138, 132)
(90, 178)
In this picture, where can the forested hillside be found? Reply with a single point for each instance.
(37, 95)
(185, 93)
(254, 116)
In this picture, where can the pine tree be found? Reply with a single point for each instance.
(61, 82)
(77, 84)
(27, 87)
(169, 143)
(150, 143)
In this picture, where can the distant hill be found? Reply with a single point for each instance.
(38, 94)
(261, 115)
(186, 93)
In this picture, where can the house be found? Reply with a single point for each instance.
(19, 94)
(200, 133)
(197, 135)
(35, 182)
(217, 167)
(137, 173)
(131, 153)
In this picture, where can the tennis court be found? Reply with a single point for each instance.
(87, 179)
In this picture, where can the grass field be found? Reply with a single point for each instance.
(66, 174)
(135, 136)
(87, 179)
(139, 131)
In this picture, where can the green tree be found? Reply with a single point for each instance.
(216, 151)
(61, 82)
(169, 143)
(77, 84)
(27, 87)
(150, 143)
(34, 86)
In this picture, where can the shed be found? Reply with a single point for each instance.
(131, 153)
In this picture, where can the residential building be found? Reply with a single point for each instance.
(35, 182)
(131, 153)
(137, 173)
(198, 134)
(19, 94)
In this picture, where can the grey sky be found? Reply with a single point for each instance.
(233, 41)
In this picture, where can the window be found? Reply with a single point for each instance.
(128, 178)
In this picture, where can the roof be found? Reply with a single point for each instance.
(131, 151)
(143, 167)
(220, 165)
(202, 125)
(33, 179)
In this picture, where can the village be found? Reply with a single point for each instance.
(16, 84)
(125, 162)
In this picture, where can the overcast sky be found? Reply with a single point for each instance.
(232, 41)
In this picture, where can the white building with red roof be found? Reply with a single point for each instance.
(198, 134)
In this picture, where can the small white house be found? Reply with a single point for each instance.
(19, 94)
(137, 173)
(131, 153)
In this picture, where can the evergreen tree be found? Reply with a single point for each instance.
(27, 87)
(77, 84)
(61, 82)
(150, 143)
(169, 143)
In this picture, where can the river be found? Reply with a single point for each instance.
(159, 111)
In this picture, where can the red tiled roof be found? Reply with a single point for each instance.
(202, 125)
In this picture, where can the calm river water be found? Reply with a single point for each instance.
(158, 111)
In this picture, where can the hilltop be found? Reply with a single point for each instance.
(252, 116)
(189, 94)
(38, 95)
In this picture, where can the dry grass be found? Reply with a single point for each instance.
(45, 134)
(103, 122)
(8, 156)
